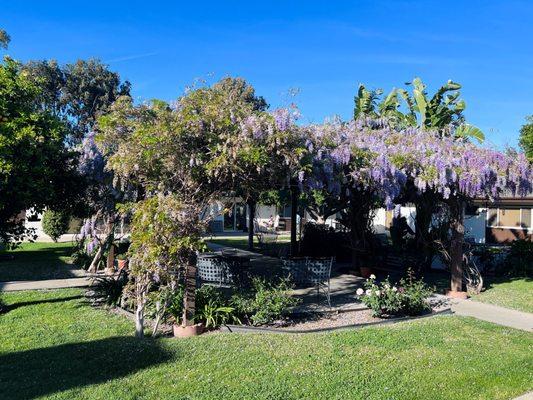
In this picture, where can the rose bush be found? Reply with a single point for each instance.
(407, 297)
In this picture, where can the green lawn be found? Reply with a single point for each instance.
(37, 261)
(53, 345)
(511, 293)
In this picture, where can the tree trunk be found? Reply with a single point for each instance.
(425, 207)
(139, 311)
(294, 211)
(139, 321)
(251, 218)
(110, 225)
(111, 257)
(456, 248)
(189, 297)
(354, 237)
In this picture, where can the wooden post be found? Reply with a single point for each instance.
(456, 250)
(251, 217)
(189, 298)
(294, 211)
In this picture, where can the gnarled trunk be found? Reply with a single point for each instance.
(456, 247)
(251, 218)
(189, 297)
(294, 211)
(140, 294)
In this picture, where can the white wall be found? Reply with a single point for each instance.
(380, 217)
(475, 225)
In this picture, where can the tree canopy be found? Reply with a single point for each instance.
(77, 92)
(36, 170)
(526, 137)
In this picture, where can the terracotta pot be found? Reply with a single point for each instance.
(188, 330)
(122, 264)
(454, 294)
(366, 272)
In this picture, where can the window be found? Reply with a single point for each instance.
(285, 211)
(492, 214)
(509, 217)
(526, 217)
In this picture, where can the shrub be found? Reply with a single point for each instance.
(108, 289)
(80, 257)
(211, 307)
(408, 297)
(519, 260)
(265, 303)
(55, 223)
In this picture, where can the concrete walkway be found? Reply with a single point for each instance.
(495, 314)
(527, 396)
(45, 284)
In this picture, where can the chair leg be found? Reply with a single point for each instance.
(329, 295)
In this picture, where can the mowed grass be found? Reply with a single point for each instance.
(513, 293)
(53, 345)
(37, 261)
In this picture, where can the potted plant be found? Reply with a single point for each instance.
(187, 330)
(175, 309)
(366, 272)
(122, 261)
(365, 267)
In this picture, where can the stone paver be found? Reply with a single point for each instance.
(495, 314)
(45, 284)
(527, 396)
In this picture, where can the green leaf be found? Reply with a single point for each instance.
(470, 131)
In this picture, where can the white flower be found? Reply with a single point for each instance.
(359, 291)
(394, 289)
(372, 276)
(368, 292)
(378, 292)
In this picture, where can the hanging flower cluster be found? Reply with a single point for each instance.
(369, 155)
(91, 160)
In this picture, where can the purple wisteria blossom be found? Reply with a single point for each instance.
(370, 155)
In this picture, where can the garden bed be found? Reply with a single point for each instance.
(312, 322)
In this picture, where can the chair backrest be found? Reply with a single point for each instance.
(214, 269)
(295, 269)
(319, 269)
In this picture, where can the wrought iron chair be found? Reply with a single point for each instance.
(214, 269)
(319, 273)
(314, 271)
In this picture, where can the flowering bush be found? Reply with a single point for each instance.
(408, 297)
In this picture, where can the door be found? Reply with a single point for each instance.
(235, 218)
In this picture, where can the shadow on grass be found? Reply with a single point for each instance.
(47, 262)
(39, 372)
(14, 306)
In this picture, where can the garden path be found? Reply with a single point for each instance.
(45, 284)
(495, 314)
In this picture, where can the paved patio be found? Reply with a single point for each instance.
(342, 285)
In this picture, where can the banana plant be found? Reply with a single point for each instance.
(442, 110)
(366, 102)
(445, 108)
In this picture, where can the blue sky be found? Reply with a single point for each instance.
(324, 49)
